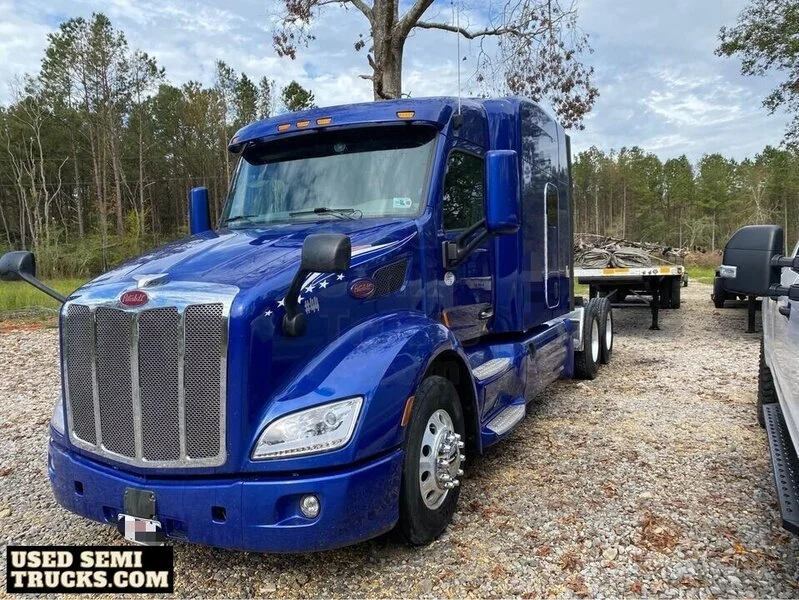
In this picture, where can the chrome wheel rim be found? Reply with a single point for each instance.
(609, 332)
(440, 459)
(595, 340)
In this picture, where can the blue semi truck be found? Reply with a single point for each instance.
(388, 287)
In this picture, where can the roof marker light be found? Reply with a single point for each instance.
(284, 127)
(303, 123)
(324, 121)
(406, 114)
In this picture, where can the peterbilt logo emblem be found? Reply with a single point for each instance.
(363, 288)
(134, 298)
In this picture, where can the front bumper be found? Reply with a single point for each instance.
(260, 514)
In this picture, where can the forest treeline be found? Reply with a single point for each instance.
(633, 194)
(98, 151)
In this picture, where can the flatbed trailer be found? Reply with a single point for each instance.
(661, 282)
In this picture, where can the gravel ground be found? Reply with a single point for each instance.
(653, 479)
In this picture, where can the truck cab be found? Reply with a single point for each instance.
(754, 265)
(388, 286)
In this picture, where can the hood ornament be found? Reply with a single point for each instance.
(150, 280)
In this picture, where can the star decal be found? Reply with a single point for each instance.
(323, 285)
(340, 277)
(268, 313)
(309, 288)
(281, 302)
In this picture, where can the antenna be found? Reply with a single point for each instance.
(457, 15)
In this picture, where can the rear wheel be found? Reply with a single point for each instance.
(431, 471)
(586, 362)
(606, 332)
(766, 393)
(676, 290)
(719, 294)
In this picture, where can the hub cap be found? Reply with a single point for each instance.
(440, 459)
(595, 340)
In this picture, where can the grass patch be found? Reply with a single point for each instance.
(701, 274)
(19, 296)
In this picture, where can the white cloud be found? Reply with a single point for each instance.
(661, 85)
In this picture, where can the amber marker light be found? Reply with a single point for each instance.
(406, 114)
(406, 414)
(284, 127)
(303, 123)
(324, 121)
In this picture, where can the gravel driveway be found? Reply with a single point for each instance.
(653, 479)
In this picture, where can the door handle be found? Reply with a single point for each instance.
(486, 314)
(785, 310)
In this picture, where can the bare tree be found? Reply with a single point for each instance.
(540, 46)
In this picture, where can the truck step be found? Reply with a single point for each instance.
(786, 466)
(505, 420)
(490, 368)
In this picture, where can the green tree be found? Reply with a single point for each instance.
(765, 39)
(295, 97)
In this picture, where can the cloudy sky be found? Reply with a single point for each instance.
(661, 86)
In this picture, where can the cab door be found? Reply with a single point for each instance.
(465, 290)
(784, 317)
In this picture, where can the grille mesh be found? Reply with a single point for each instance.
(158, 381)
(78, 341)
(140, 413)
(114, 386)
(390, 278)
(201, 379)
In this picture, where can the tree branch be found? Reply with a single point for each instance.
(411, 18)
(363, 7)
(471, 35)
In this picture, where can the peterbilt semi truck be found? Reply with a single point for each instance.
(387, 288)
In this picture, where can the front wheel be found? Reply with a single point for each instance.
(606, 332)
(434, 454)
(719, 293)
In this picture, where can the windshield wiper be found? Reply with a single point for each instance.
(247, 218)
(341, 213)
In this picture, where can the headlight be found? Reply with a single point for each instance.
(57, 420)
(316, 429)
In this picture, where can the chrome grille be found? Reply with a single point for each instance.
(114, 385)
(78, 344)
(202, 379)
(158, 384)
(147, 386)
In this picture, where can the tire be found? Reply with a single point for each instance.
(422, 520)
(606, 333)
(719, 294)
(766, 393)
(675, 292)
(586, 361)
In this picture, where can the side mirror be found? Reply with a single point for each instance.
(15, 265)
(326, 253)
(749, 264)
(21, 265)
(502, 182)
(321, 253)
(199, 213)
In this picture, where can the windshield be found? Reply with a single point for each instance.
(351, 174)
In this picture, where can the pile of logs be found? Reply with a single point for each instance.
(590, 241)
(597, 251)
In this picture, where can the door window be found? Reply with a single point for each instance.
(463, 190)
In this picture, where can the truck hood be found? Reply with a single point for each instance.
(247, 256)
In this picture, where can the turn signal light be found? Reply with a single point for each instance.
(406, 114)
